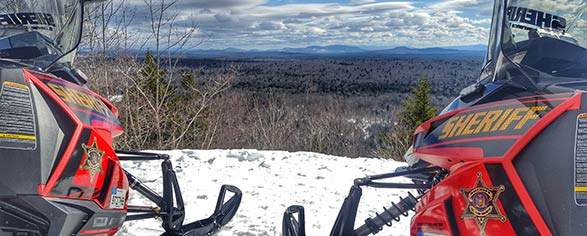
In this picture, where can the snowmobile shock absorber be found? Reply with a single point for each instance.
(374, 225)
(345, 221)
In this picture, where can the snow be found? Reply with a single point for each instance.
(270, 181)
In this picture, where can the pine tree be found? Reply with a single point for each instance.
(153, 76)
(418, 108)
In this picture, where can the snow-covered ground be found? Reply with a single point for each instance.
(270, 181)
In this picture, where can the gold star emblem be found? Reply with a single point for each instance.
(482, 203)
(93, 162)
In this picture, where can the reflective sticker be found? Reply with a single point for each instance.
(17, 118)
(581, 161)
(482, 203)
(118, 198)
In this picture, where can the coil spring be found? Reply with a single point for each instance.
(374, 228)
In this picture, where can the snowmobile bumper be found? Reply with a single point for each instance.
(38, 216)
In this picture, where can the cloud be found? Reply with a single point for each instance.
(267, 25)
(209, 4)
(363, 1)
(461, 4)
(226, 19)
(479, 7)
(206, 11)
(255, 24)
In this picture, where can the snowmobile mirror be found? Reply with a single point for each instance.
(294, 221)
(472, 92)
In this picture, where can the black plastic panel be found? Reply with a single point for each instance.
(546, 168)
(55, 216)
(515, 211)
(20, 169)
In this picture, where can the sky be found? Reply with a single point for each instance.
(275, 24)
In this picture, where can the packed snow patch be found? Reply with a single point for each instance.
(270, 181)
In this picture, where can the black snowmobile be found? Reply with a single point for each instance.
(59, 172)
(509, 155)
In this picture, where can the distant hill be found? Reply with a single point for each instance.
(476, 47)
(334, 49)
(340, 51)
(417, 51)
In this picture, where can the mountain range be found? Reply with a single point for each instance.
(342, 51)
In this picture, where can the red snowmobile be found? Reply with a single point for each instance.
(59, 172)
(509, 155)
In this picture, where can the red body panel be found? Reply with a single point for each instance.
(473, 159)
(89, 168)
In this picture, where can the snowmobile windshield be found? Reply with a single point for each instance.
(547, 37)
(40, 32)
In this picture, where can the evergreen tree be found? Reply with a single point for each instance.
(418, 108)
(153, 76)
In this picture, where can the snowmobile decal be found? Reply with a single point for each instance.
(89, 107)
(490, 121)
(531, 17)
(79, 98)
(36, 20)
(482, 203)
(485, 131)
(93, 161)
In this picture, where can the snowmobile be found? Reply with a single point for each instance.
(509, 155)
(59, 173)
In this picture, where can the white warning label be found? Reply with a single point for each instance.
(17, 118)
(581, 161)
